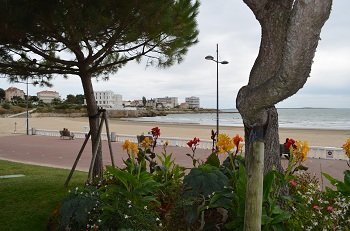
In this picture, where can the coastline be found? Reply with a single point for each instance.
(315, 137)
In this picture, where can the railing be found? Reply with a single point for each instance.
(315, 151)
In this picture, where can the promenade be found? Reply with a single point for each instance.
(56, 152)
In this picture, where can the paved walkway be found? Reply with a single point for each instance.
(56, 152)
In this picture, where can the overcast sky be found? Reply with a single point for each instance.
(232, 25)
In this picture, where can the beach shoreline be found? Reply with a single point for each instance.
(315, 137)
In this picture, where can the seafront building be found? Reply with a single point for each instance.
(167, 102)
(13, 92)
(48, 96)
(108, 100)
(193, 102)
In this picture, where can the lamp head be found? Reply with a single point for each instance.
(209, 57)
(224, 62)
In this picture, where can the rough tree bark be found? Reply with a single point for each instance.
(94, 121)
(290, 34)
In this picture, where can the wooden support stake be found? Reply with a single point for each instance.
(94, 153)
(108, 138)
(77, 159)
(254, 193)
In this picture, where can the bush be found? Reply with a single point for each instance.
(6, 106)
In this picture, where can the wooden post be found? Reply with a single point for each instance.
(104, 116)
(77, 159)
(254, 193)
(94, 152)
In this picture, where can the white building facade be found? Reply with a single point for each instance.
(108, 99)
(12, 92)
(48, 96)
(193, 102)
(167, 102)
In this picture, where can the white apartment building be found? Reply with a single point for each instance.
(193, 102)
(167, 102)
(108, 99)
(13, 91)
(47, 96)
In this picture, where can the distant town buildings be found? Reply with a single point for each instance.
(13, 92)
(48, 96)
(193, 102)
(108, 99)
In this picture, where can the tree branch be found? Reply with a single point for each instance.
(306, 22)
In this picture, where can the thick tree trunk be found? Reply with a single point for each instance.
(290, 34)
(94, 121)
(272, 157)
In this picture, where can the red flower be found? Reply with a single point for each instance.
(155, 132)
(288, 143)
(330, 208)
(192, 142)
(236, 140)
(293, 183)
(316, 207)
(195, 140)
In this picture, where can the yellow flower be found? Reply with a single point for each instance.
(130, 147)
(300, 151)
(225, 143)
(146, 143)
(134, 148)
(126, 145)
(346, 147)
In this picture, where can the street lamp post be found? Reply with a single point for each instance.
(27, 107)
(27, 101)
(209, 57)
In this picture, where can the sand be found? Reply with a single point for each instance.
(315, 137)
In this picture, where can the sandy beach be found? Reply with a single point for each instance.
(315, 137)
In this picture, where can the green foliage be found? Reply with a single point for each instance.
(204, 180)
(101, 37)
(133, 184)
(2, 94)
(213, 160)
(6, 105)
(273, 217)
(342, 187)
(74, 99)
(167, 172)
(76, 208)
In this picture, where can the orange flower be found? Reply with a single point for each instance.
(346, 147)
(300, 150)
(146, 143)
(130, 147)
(236, 139)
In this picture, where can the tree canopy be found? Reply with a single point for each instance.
(98, 37)
(2, 94)
(90, 38)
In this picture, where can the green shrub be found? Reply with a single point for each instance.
(6, 105)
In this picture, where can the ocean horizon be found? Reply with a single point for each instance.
(309, 118)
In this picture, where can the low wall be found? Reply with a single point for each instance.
(315, 151)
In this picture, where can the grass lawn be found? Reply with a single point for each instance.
(27, 202)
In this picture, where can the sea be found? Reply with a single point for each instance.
(312, 118)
